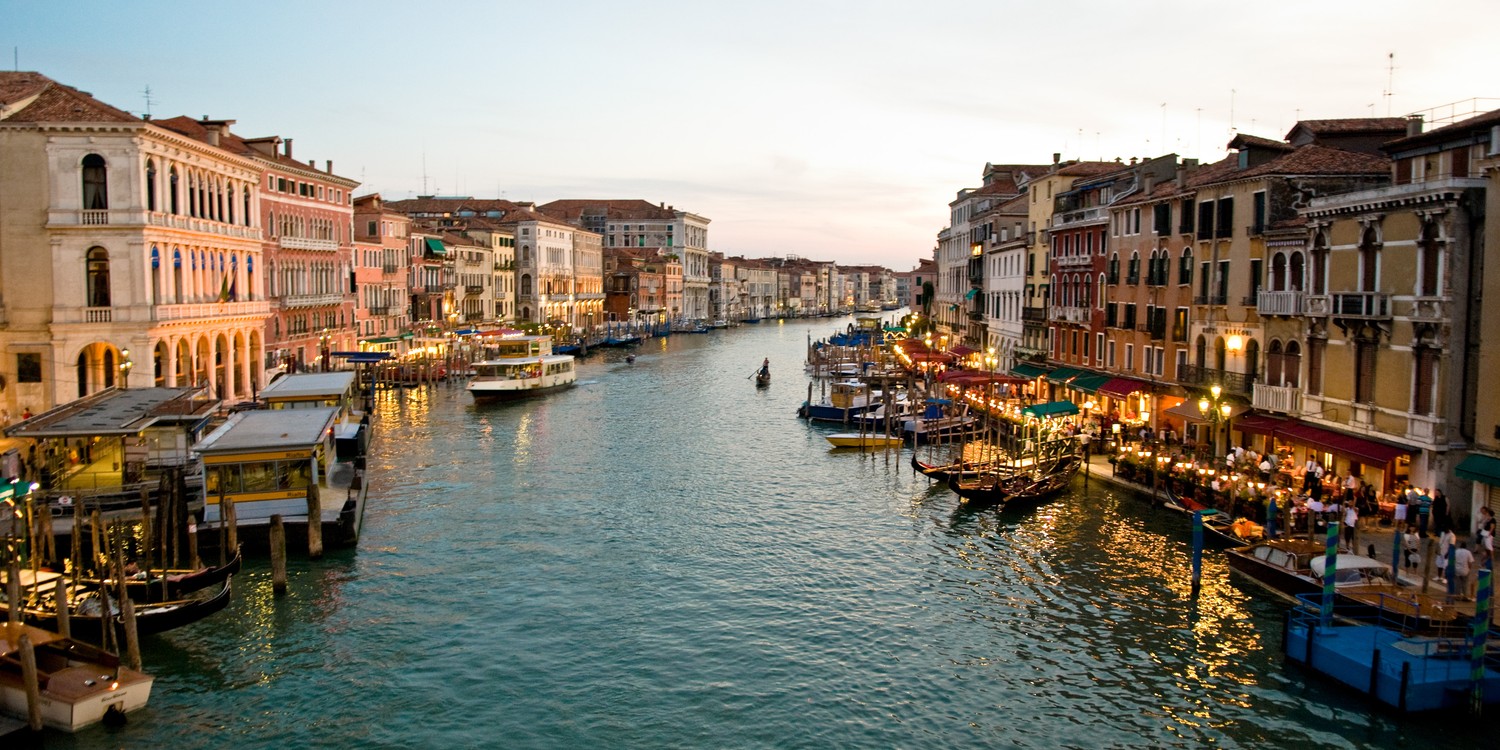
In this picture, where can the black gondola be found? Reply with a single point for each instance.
(1010, 490)
(87, 617)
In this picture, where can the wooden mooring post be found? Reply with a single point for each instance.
(29, 678)
(314, 523)
(277, 534)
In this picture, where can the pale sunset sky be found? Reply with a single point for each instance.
(828, 130)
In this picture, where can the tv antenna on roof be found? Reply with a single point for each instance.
(149, 101)
(1390, 76)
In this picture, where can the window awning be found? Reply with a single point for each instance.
(1051, 409)
(1089, 382)
(1350, 446)
(1189, 410)
(972, 291)
(1122, 387)
(1028, 371)
(1479, 468)
(1063, 375)
(435, 246)
(962, 351)
(1258, 424)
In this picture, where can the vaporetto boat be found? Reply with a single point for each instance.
(521, 366)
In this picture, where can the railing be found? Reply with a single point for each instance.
(1073, 217)
(93, 218)
(1070, 314)
(1233, 382)
(1279, 303)
(388, 268)
(473, 289)
(1424, 429)
(1036, 314)
(98, 314)
(306, 243)
(1362, 305)
(1285, 399)
(211, 310)
(1428, 309)
(178, 221)
(378, 310)
(1210, 299)
(1069, 261)
(311, 300)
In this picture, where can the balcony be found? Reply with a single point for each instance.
(1284, 399)
(473, 289)
(1425, 429)
(1072, 261)
(1080, 216)
(388, 268)
(211, 310)
(1034, 314)
(311, 300)
(1428, 309)
(307, 243)
(1232, 382)
(1279, 303)
(1211, 299)
(378, 311)
(1133, 279)
(1363, 305)
(1077, 315)
(178, 221)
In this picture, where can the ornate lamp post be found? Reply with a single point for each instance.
(125, 365)
(323, 340)
(1215, 411)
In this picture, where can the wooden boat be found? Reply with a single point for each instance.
(79, 684)
(942, 471)
(86, 615)
(865, 441)
(520, 367)
(177, 583)
(763, 377)
(1362, 585)
(1012, 487)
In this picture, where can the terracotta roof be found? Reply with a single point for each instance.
(1087, 168)
(453, 205)
(1244, 140)
(55, 102)
(620, 210)
(1321, 160)
(1480, 122)
(18, 85)
(1349, 125)
(234, 144)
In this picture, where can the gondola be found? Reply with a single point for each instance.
(942, 472)
(997, 488)
(86, 617)
(180, 583)
(762, 378)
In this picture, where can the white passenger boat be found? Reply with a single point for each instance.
(79, 684)
(521, 366)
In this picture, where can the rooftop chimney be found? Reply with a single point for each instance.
(1413, 125)
(329, 162)
(1182, 175)
(212, 135)
(288, 143)
(1149, 183)
(1056, 157)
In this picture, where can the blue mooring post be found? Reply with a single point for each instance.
(1481, 627)
(1197, 549)
(1271, 518)
(1452, 570)
(1330, 571)
(1396, 555)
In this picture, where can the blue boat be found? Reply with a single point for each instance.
(846, 400)
(1411, 673)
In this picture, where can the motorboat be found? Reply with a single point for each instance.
(80, 685)
(519, 367)
(864, 440)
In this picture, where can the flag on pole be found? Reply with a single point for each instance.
(224, 289)
(233, 289)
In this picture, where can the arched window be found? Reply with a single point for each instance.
(1252, 360)
(1369, 261)
(1428, 267)
(172, 197)
(98, 277)
(1319, 260)
(150, 184)
(1114, 268)
(1221, 353)
(156, 274)
(1185, 271)
(1273, 363)
(95, 187)
(1291, 365)
(1295, 272)
(1100, 296)
(1278, 272)
(1200, 353)
(247, 206)
(526, 284)
(1133, 276)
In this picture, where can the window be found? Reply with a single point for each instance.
(97, 272)
(1099, 348)
(1255, 268)
(1206, 220)
(1180, 324)
(172, 196)
(1258, 205)
(1130, 356)
(1114, 268)
(1162, 221)
(1110, 361)
(1185, 270)
(1133, 276)
(1423, 379)
(1364, 371)
(95, 187)
(1223, 290)
(28, 367)
(1181, 363)
(1369, 262)
(1224, 227)
(1429, 264)
(150, 184)
(1315, 351)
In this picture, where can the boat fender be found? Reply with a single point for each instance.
(850, 330)
(114, 716)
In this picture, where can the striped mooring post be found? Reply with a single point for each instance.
(1330, 572)
(1481, 628)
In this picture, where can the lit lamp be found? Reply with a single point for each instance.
(125, 365)
(1215, 411)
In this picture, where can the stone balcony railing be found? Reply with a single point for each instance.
(1279, 303)
(1069, 314)
(211, 310)
(307, 243)
(59, 218)
(1284, 399)
(1072, 261)
(1318, 305)
(1425, 429)
(1232, 382)
(1363, 305)
(311, 300)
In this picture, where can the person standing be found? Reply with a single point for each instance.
(1424, 512)
(1463, 568)
(1484, 545)
(1351, 525)
(1446, 540)
(1440, 520)
(1398, 517)
(1409, 545)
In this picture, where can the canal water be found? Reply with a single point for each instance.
(665, 557)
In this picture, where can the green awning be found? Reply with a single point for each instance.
(1479, 468)
(1028, 371)
(1051, 409)
(1063, 375)
(1089, 382)
(381, 340)
(972, 291)
(435, 246)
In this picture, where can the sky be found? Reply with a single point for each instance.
(825, 130)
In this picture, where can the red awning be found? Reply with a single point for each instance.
(1362, 449)
(973, 377)
(962, 351)
(1121, 387)
(1259, 424)
(924, 356)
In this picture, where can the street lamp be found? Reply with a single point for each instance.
(323, 347)
(125, 365)
(1215, 411)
